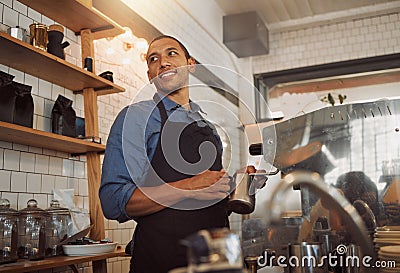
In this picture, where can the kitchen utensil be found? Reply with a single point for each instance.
(349, 265)
(18, 33)
(76, 236)
(55, 36)
(88, 64)
(8, 232)
(38, 34)
(242, 199)
(32, 232)
(305, 252)
(108, 75)
(213, 250)
(251, 263)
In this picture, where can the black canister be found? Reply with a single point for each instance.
(58, 226)
(55, 36)
(88, 64)
(8, 232)
(32, 232)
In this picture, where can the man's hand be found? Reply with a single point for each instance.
(209, 185)
(258, 180)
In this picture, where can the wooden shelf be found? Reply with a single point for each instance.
(85, 20)
(32, 137)
(34, 61)
(77, 15)
(124, 15)
(28, 266)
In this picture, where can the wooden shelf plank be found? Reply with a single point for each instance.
(120, 12)
(32, 137)
(28, 266)
(34, 61)
(77, 15)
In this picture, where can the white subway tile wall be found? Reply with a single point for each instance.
(11, 160)
(18, 182)
(1, 158)
(31, 172)
(5, 178)
(34, 183)
(10, 16)
(354, 39)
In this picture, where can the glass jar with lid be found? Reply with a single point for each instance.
(32, 232)
(58, 226)
(8, 232)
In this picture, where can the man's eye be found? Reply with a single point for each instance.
(153, 58)
(171, 53)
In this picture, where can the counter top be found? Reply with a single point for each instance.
(28, 266)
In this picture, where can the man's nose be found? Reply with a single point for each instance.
(164, 62)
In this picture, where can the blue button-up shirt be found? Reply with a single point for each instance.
(130, 147)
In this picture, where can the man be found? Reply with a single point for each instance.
(165, 191)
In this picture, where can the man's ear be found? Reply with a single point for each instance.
(192, 65)
(148, 76)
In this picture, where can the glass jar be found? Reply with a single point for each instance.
(58, 226)
(38, 33)
(32, 232)
(8, 232)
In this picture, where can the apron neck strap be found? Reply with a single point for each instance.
(161, 108)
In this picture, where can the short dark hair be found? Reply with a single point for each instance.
(187, 55)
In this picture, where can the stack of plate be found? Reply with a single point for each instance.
(387, 236)
(389, 257)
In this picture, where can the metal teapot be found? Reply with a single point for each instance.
(55, 45)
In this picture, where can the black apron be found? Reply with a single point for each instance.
(157, 247)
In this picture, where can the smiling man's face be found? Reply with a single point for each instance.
(168, 65)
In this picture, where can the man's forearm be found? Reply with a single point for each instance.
(148, 200)
(208, 185)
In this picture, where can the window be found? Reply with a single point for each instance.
(265, 82)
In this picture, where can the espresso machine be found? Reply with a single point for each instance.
(344, 160)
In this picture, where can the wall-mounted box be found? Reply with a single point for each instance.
(245, 34)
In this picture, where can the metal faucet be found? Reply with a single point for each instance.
(348, 213)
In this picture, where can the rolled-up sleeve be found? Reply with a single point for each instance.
(126, 161)
(117, 185)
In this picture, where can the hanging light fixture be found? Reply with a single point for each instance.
(129, 41)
